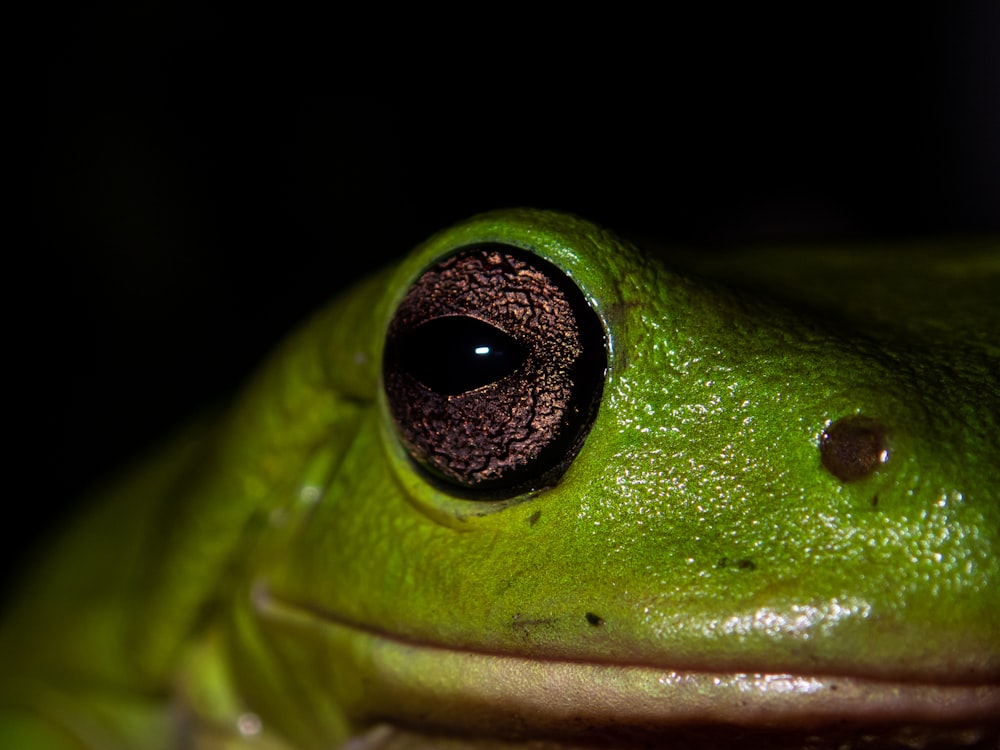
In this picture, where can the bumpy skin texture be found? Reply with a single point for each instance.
(695, 574)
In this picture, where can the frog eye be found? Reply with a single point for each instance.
(493, 370)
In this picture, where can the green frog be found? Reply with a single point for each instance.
(536, 488)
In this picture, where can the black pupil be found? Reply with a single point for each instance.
(456, 353)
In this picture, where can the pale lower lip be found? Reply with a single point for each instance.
(467, 691)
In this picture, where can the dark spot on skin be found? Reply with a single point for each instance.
(525, 626)
(741, 564)
(854, 447)
(594, 619)
(533, 518)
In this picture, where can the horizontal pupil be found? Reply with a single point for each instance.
(455, 354)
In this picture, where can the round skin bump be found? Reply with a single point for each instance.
(852, 448)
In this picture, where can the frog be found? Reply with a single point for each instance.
(536, 487)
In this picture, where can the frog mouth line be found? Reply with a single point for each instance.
(471, 691)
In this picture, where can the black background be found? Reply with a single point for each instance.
(198, 185)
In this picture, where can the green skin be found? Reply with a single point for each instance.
(696, 570)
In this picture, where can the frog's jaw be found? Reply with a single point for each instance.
(377, 678)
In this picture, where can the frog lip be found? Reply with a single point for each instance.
(469, 690)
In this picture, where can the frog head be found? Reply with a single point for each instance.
(583, 492)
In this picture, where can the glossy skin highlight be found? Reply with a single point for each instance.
(285, 577)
